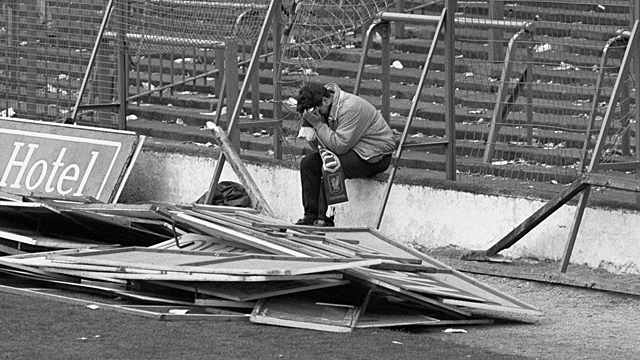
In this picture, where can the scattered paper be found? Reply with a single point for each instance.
(7, 113)
(179, 311)
(455, 331)
(542, 48)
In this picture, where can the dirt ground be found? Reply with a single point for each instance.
(578, 323)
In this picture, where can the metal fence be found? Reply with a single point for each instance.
(530, 100)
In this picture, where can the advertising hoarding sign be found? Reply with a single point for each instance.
(58, 160)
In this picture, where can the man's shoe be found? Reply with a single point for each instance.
(306, 220)
(324, 222)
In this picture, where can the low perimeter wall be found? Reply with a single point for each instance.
(419, 215)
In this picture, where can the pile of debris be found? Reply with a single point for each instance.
(237, 264)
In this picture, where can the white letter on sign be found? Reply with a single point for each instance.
(14, 162)
(64, 177)
(56, 165)
(34, 168)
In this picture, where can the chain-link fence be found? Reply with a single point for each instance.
(530, 99)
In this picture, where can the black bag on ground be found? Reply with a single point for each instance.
(228, 193)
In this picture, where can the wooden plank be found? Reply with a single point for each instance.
(9, 250)
(374, 241)
(246, 292)
(135, 259)
(409, 267)
(45, 241)
(414, 297)
(204, 243)
(575, 226)
(536, 218)
(223, 209)
(259, 202)
(393, 317)
(188, 313)
(431, 284)
(172, 276)
(261, 243)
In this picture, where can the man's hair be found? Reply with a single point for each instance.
(310, 96)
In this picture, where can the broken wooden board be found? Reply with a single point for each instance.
(205, 243)
(182, 276)
(254, 291)
(52, 158)
(23, 237)
(243, 236)
(186, 313)
(202, 262)
(51, 221)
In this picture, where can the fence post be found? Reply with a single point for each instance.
(399, 25)
(450, 89)
(496, 35)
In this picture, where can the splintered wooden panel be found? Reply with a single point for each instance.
(393, 317)
(141, 211)
(48, 220)
(372, 240)
(205, 243)
(136, 257)
(426, 283)
(239, 291)
(199, 262)
(32, 238)
(306, 314)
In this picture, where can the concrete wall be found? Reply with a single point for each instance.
(414, 214)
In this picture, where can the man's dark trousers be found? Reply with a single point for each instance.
(353, 167)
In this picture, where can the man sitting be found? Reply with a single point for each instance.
(352, 130)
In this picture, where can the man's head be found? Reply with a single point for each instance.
(313, 95)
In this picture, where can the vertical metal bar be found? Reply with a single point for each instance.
(123, 66)
(368, 36)
(92, 59)
(172, 62)
(398, 25)
(255, 56)
(529, 90)
(204, 65)
(385, 35)
(231, 76)
(625, 117)
(501, 96)
(412, 112)
(496, 12)
(594, 107)
(277, 65)
(450, 90)
(636, 72)
(575, 226)
(195, 62)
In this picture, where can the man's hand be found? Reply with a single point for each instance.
(313, 117)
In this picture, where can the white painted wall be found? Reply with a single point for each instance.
(414, 214)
